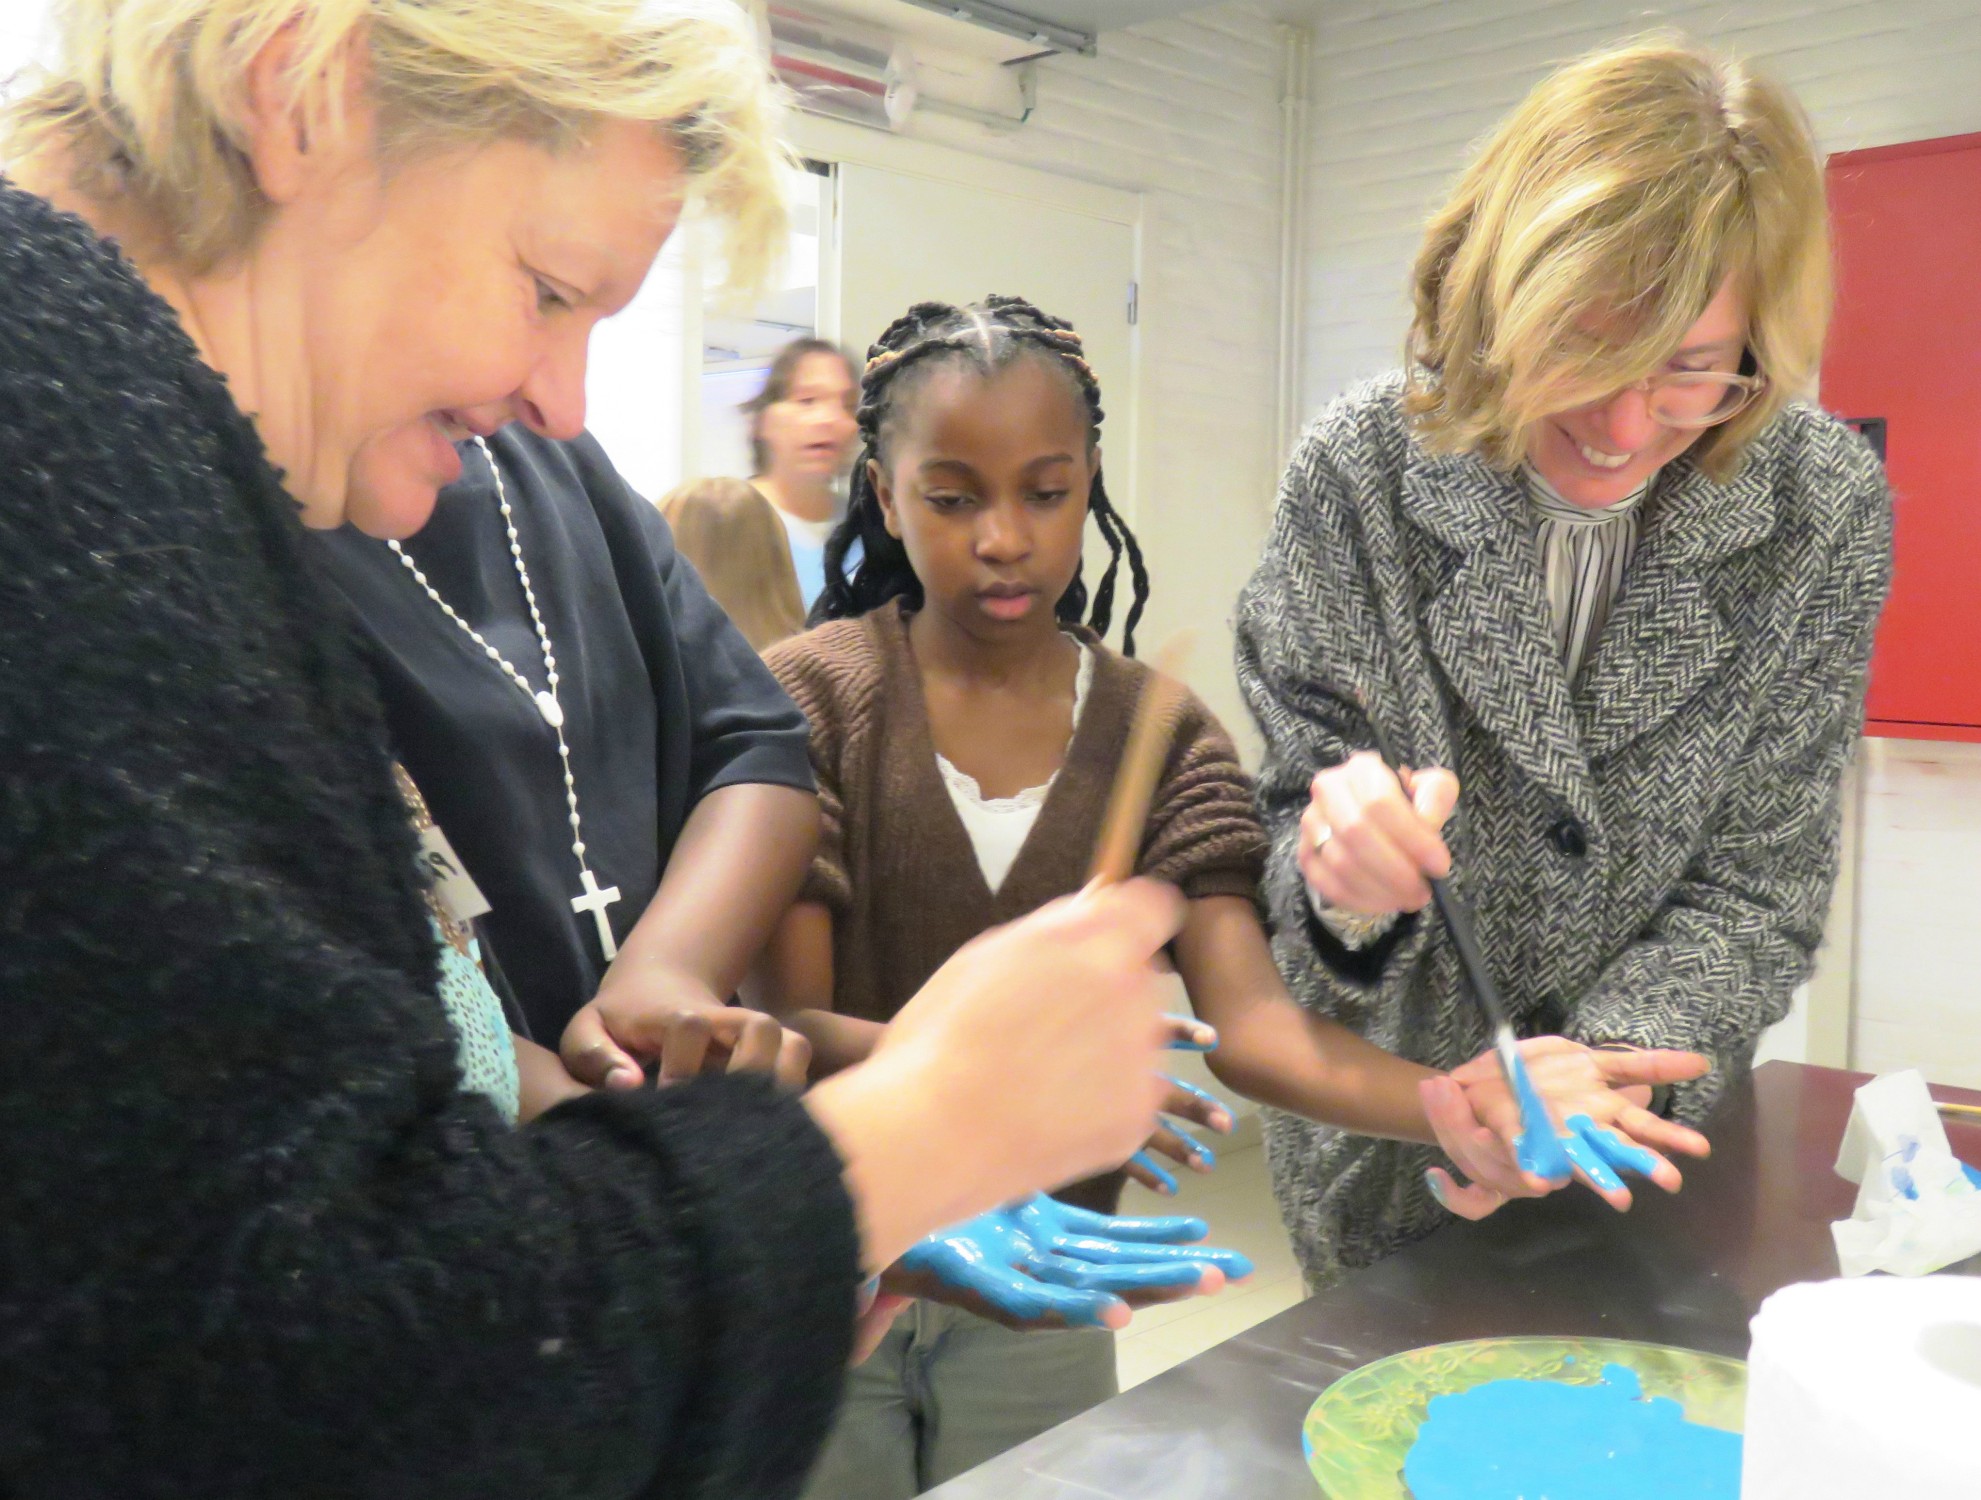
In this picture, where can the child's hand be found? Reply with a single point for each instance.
(1186, 1101)
(1044, 1264)
(1066, 1000)
(877, 1312)
(681, 1030)
(542, 1082)
(1599, 1094)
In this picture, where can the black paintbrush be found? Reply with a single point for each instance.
(1539, 1150)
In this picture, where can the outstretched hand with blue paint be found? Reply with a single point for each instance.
(1041, 1263)
(1185, 1102)
(1596, 1095)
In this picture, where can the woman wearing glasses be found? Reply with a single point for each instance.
(1593, 570)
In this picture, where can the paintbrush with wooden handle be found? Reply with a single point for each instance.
(1140, 768)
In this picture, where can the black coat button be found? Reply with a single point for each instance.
(1567, 837)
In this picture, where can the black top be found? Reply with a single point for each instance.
(663, 699)
(254, 1237)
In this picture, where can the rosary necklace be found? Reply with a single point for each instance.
(592, 898)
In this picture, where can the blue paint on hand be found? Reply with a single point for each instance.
(1203, 1096)
(1539, 1150)
(1155, 1169)
(1041, 1258)
(1582, 1152)
(1508, 1439)
(1083, 1233)
(1616, 1151)
(1214, 1107)
(1198, 1149)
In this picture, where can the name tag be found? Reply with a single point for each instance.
(452, 883)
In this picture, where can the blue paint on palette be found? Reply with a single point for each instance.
(1973, 1174)
(1522, 1439)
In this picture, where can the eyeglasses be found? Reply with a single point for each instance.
(1698, 398)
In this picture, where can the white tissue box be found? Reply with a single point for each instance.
(1917, 1210)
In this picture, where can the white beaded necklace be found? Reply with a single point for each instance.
(593, 898)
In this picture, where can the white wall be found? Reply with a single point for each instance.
(1919, 912)
(24, 32)
(24, 38)
(1402, 89)
(1185, 111)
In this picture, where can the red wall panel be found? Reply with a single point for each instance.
(1906, 346)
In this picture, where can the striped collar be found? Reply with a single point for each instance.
(1547, 500)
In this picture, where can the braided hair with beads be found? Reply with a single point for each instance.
(987, 335)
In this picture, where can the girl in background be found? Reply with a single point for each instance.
(965, 729)
(732, 536)
(801, 434)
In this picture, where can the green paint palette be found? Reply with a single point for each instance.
(1360, 1430)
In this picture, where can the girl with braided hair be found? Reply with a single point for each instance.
(966, 720)
(1003, 328)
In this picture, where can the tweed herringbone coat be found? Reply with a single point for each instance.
(1650, 850)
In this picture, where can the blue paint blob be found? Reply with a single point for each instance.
(1539, 1149)
(1583, 1153)
(1901, 1169)
(1543, 1440)
(1623, 1155)
(1973, 1174)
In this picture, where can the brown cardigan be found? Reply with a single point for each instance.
(895, 865)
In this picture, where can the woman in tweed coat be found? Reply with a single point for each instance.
(1589, 558)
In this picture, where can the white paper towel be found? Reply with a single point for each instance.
(1917, 1210)
(1866, 1389)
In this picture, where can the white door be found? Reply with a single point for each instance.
(904, 238)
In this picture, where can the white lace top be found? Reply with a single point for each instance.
(999, 826)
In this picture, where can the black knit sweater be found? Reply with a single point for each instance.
(254, 1239)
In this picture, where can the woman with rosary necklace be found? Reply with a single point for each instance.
(541, 541)
(624, 784)
(264, 262)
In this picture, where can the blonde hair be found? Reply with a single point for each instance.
(148, 101)
(1592, 231)
(738, 545)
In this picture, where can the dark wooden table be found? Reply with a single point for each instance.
(1687, 1270)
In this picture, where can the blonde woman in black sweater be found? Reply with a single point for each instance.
(260, 264)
